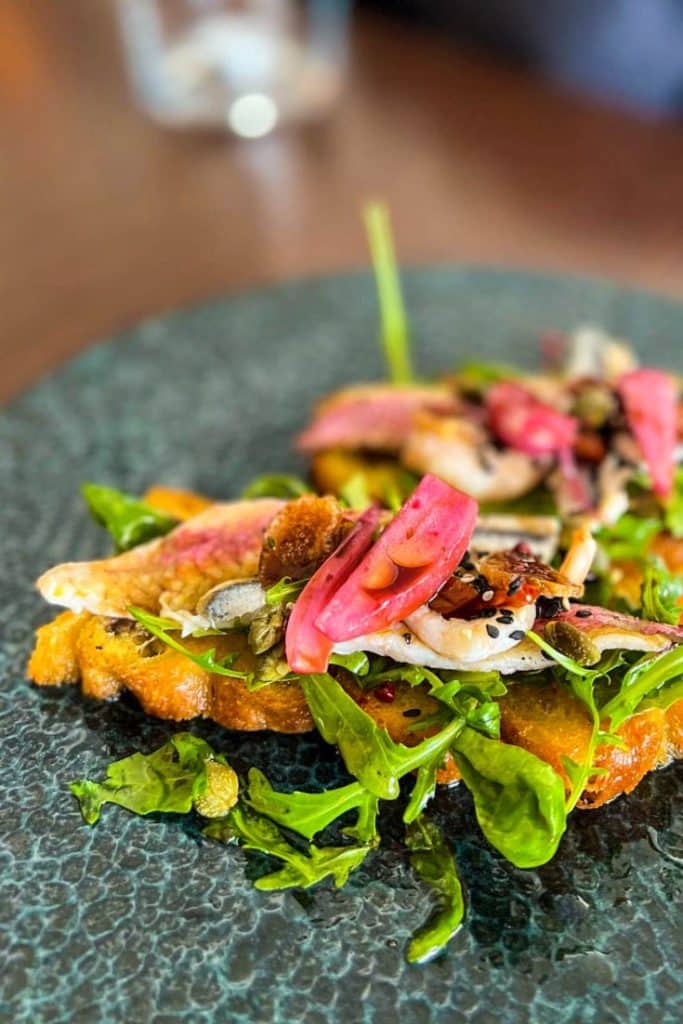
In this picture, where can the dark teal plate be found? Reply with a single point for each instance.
(140, 920)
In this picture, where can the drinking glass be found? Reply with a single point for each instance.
(247, 65)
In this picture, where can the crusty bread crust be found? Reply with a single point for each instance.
(109, 656)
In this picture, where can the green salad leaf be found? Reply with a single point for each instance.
(433, 862)
(395, 339)
(206, 660)
(660, 593)
(673, 507)
(310, 813)
(276, 485)
(284, 591)
(357, 663)
(129, 520)
(422, 792)
(478, 377)
(254, 832)
(367, 750)
(652, 679)
(629, 538)
(518, 799)
(169, 779)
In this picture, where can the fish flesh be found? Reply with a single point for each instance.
(172, 572)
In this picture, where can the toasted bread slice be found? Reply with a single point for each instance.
(110, 655)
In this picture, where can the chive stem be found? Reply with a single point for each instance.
(394, 326)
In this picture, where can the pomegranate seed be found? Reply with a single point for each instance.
(386, 692)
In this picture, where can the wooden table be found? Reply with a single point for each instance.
(105, 218)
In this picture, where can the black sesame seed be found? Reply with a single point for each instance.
(517, 634)
(468, 565)
(408, 638)
(492, 631)
(583, 613)
(486, 613)
(480, 583)
(514, 585)
(549, 607)
(412, 713)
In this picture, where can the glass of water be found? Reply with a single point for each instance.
(247, 65)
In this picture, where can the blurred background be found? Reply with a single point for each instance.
(159, 152)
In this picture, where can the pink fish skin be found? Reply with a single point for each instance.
(589, 618)
(375, 416)
(223, 542)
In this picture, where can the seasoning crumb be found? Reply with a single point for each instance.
(583, 613)
(487, 595)
(412, 713)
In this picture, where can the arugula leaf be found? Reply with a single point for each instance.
(368, 751)
(357, 663)
(518, 799)
(628, 539)
(285, 590)
(394, 324)
(206, 660)
(433, 862)
(129, 520)
(660, 593)
(422, 792)
(276, 485)
(254, 832)
(664, 697)
(564, 660)
(169, 779)
(478, 377)
(647, 679)
(310, 813)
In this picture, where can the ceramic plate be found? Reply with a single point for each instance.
(140, 920)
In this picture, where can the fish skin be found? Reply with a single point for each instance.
(223, 542)
(374, 416)
(600, 618)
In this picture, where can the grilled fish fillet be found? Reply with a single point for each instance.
(171, 572)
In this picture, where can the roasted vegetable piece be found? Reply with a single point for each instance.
(650, 404)
(308, 650)
(334, 469)
(408, 563)
(174, 502)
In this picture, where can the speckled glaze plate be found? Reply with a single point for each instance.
(140, 920)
